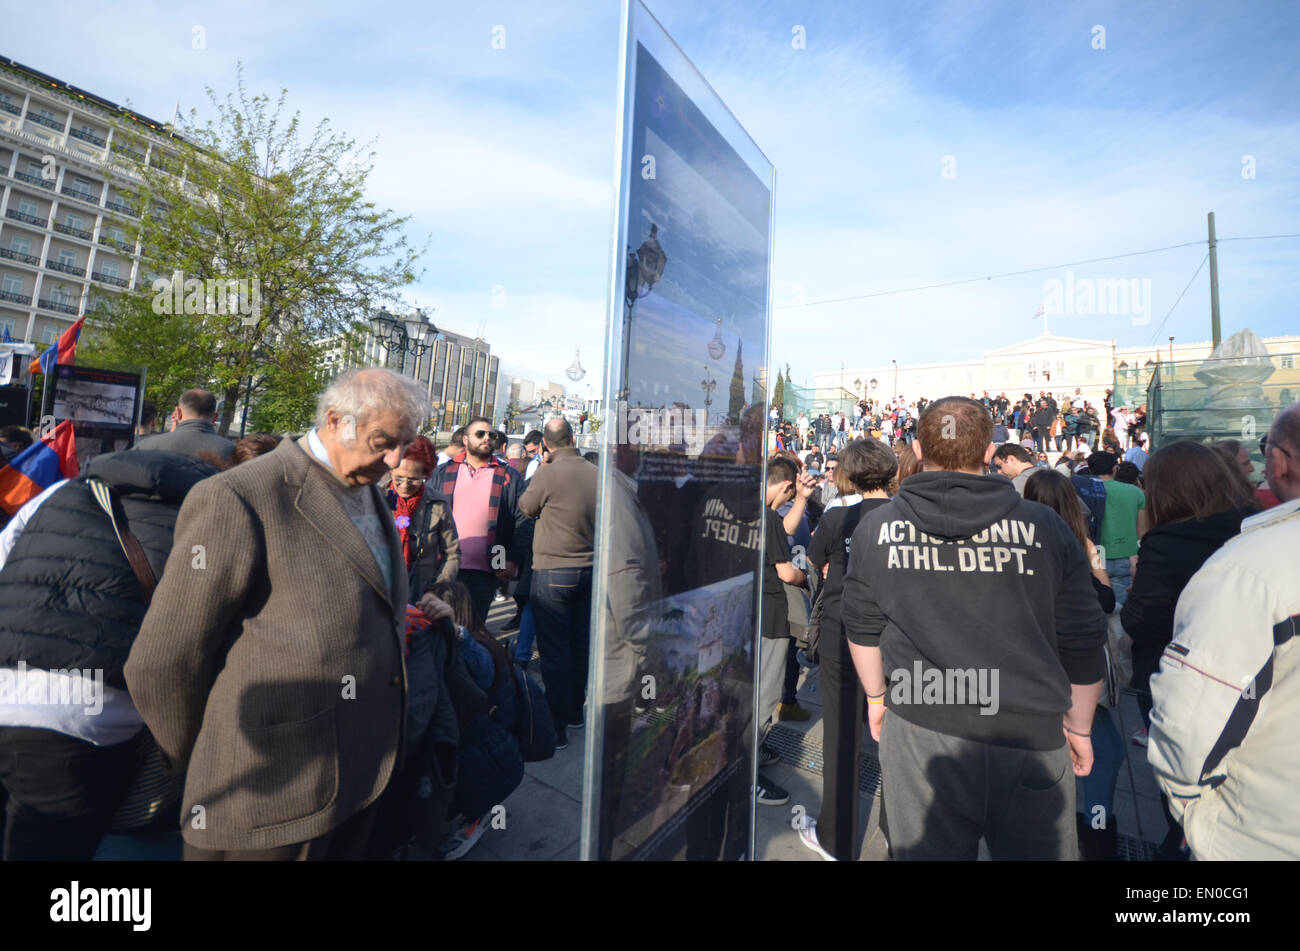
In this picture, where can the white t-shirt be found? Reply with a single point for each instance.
(73, 702)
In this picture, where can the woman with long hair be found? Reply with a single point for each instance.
(1057, 492)
(866, 469)
(1195, 503)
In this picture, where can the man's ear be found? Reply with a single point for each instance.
(916, 448)
(988, 453)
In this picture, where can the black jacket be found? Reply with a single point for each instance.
(959, 573)
(191, 436)
(68, 596)
(1168, 556)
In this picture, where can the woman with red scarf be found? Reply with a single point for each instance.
(428, 532)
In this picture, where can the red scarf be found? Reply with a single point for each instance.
(403, 512)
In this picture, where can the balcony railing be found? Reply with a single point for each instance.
(29, 219)
(10, 108)
(66, 268)
(60, 227)
(59, 306)
(128, 152)
(110, 279)
(41, 120)
(34, 180)
(81, 193)
(88, 137)
(108, 241)
(14, 298)
(13, 255)
(121, 207)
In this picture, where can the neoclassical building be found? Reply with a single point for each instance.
(1049, 362)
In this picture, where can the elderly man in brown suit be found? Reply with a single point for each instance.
(271, 660)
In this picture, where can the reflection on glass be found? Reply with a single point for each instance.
(682, 504)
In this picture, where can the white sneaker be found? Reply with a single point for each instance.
(808, 836)
(460, 840)
(1140, 738)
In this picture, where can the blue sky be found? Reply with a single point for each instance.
(1059, 151)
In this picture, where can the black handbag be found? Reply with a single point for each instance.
(813, 634)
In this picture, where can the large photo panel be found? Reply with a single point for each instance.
(670, 761)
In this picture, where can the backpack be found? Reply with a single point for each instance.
(1093, 492)
(533, 727)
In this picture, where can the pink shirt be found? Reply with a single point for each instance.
(470, 512)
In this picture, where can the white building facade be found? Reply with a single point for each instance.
(1047, 363)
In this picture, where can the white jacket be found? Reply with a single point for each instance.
(1225, 727)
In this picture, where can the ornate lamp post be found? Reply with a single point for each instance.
(412, 335)
(708, 385)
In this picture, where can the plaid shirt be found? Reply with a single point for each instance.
(506, 487)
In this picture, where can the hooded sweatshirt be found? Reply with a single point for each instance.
(982, 606)
(1168, 557)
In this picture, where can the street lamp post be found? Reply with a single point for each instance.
(708, 385)
(413, 335)
(895, 362)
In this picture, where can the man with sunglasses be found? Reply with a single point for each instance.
(1227, 695)
(483, 494)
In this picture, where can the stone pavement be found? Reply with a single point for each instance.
(543, 814)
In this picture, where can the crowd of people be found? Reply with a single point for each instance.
(285, 643)
(1063, 421)
(927, 561)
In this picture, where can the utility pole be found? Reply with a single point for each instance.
(1214, 286)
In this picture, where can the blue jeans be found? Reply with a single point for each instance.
(1108, 757)
(561, 603)
(1121, 575)
(527, 634)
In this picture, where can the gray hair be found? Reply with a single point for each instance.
(363, 393)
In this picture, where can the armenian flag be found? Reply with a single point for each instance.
(38, 467)
(64, 351)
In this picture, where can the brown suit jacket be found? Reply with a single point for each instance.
(271, 658)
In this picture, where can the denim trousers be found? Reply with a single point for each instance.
(561, 603)
(1120, 574)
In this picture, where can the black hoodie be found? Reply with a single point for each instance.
(960, 574)
(1168, 557)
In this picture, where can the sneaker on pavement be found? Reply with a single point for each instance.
(769, 793)
(808, 836)
(461, 839)
(561, 740)
(767, 756)
(1140, 738)
(792, 712)
(498, 598)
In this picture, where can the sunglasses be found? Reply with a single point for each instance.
(402, 480)
(480, 433)
(1263, 447)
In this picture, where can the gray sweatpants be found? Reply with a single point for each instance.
(771, 678)
(942, 794)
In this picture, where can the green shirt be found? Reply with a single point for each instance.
(1119, 524)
